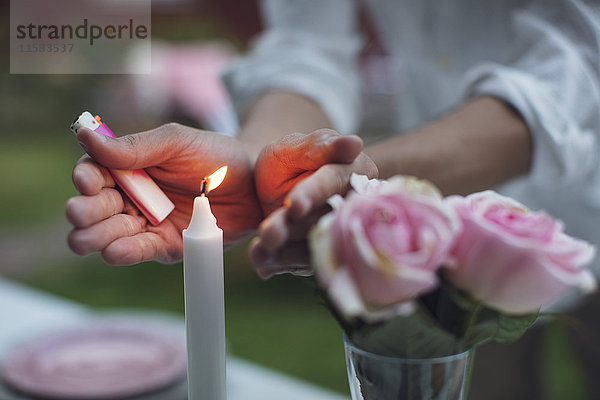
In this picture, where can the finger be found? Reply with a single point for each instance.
(84, 211)
(278, 228)
(89, 177)
(309, 152)
(314, 191)
(274, 230)
(135, 249)
(257, 253)
(292, 258)
(138, 150)
(97, 237)
(327, 146)
(278, 245)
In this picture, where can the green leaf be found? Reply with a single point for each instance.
(413, 336)
(510, 328)
(482, 330)
(490, 325)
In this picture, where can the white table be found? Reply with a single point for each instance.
(27, 313)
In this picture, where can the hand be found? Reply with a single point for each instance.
(300, 172)
(176, 157)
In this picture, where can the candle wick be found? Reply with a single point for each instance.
(204, 187)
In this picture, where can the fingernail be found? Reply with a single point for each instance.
(271, 269)
(264, 225)
(263, 228)
(264, 274)
(260, 255)
(266, 271)
(331, 139)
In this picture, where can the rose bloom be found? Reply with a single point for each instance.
(513, 259)
(382, 246)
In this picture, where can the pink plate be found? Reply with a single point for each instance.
(101, 361)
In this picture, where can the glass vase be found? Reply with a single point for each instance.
(376, 377)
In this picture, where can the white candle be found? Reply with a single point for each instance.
(204, 303)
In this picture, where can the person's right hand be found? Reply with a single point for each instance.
(295, 176)
(177, 158)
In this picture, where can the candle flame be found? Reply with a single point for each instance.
(215, 179)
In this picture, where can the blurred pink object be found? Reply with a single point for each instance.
(513, 259)
(102, 361)
(186, 78)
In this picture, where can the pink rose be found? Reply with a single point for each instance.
(513, 259)
(382, 246)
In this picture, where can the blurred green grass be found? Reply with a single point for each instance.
(36, 177)
(563, 372)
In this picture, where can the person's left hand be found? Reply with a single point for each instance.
(176, 157)
(294, 178)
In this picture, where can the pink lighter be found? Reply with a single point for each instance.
(137, 184)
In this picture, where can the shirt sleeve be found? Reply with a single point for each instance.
(555, 85)
(309, 47)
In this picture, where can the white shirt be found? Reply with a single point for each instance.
(541, 56)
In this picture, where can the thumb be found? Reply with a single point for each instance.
(324, 146)
(134, 151)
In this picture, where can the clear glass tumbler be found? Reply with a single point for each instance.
(376, 377)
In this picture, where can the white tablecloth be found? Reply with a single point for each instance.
(27, 313)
